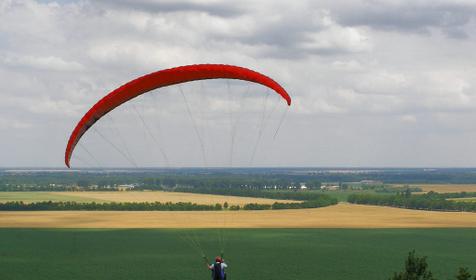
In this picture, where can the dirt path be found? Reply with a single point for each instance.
(338, 216)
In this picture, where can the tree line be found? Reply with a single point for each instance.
(254, 177)
(273, 194)
(430, 201)
(106, 206)
(323, 201)
(145, 181)
(417, 268)
(156, 206)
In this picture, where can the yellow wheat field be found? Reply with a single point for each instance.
(339, 216)
(145, 196)
(447, 188)
(152, 196)
(463, 199)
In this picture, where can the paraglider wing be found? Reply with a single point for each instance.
(164, 78)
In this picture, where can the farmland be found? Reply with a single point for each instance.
(29, 197)
(447, 188)
(342, 215)
(344, 241)
(145, 196)
(464, 199)
(251, 253)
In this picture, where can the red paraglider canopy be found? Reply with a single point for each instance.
(164, 78)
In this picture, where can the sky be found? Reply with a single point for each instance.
(373, 83)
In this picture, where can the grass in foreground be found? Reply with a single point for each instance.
(251, 253)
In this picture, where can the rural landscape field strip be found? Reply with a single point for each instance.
(29, 197)
(339, 216)
(146, 196)
(465, 199)
(305, 254)
(446, 188)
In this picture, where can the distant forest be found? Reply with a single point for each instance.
(321, 201)
(430, 201)
(27, 180)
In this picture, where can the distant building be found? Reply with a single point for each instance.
(124, 188)
(371, 182)
(330, 187)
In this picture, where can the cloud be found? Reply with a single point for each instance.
(336, 40)
(6, 124)
(366, 77)
(212, 7)
(411, 16)
(408, 119)
(41, 63)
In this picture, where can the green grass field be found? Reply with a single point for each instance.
(29, 197)
(251, 253)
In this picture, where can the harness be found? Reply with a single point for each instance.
(218, 273)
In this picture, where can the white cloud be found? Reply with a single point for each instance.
(408, 119)
(337, 39)
(6, 124)
(347, 65)
(41, 63)
(368, 69)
